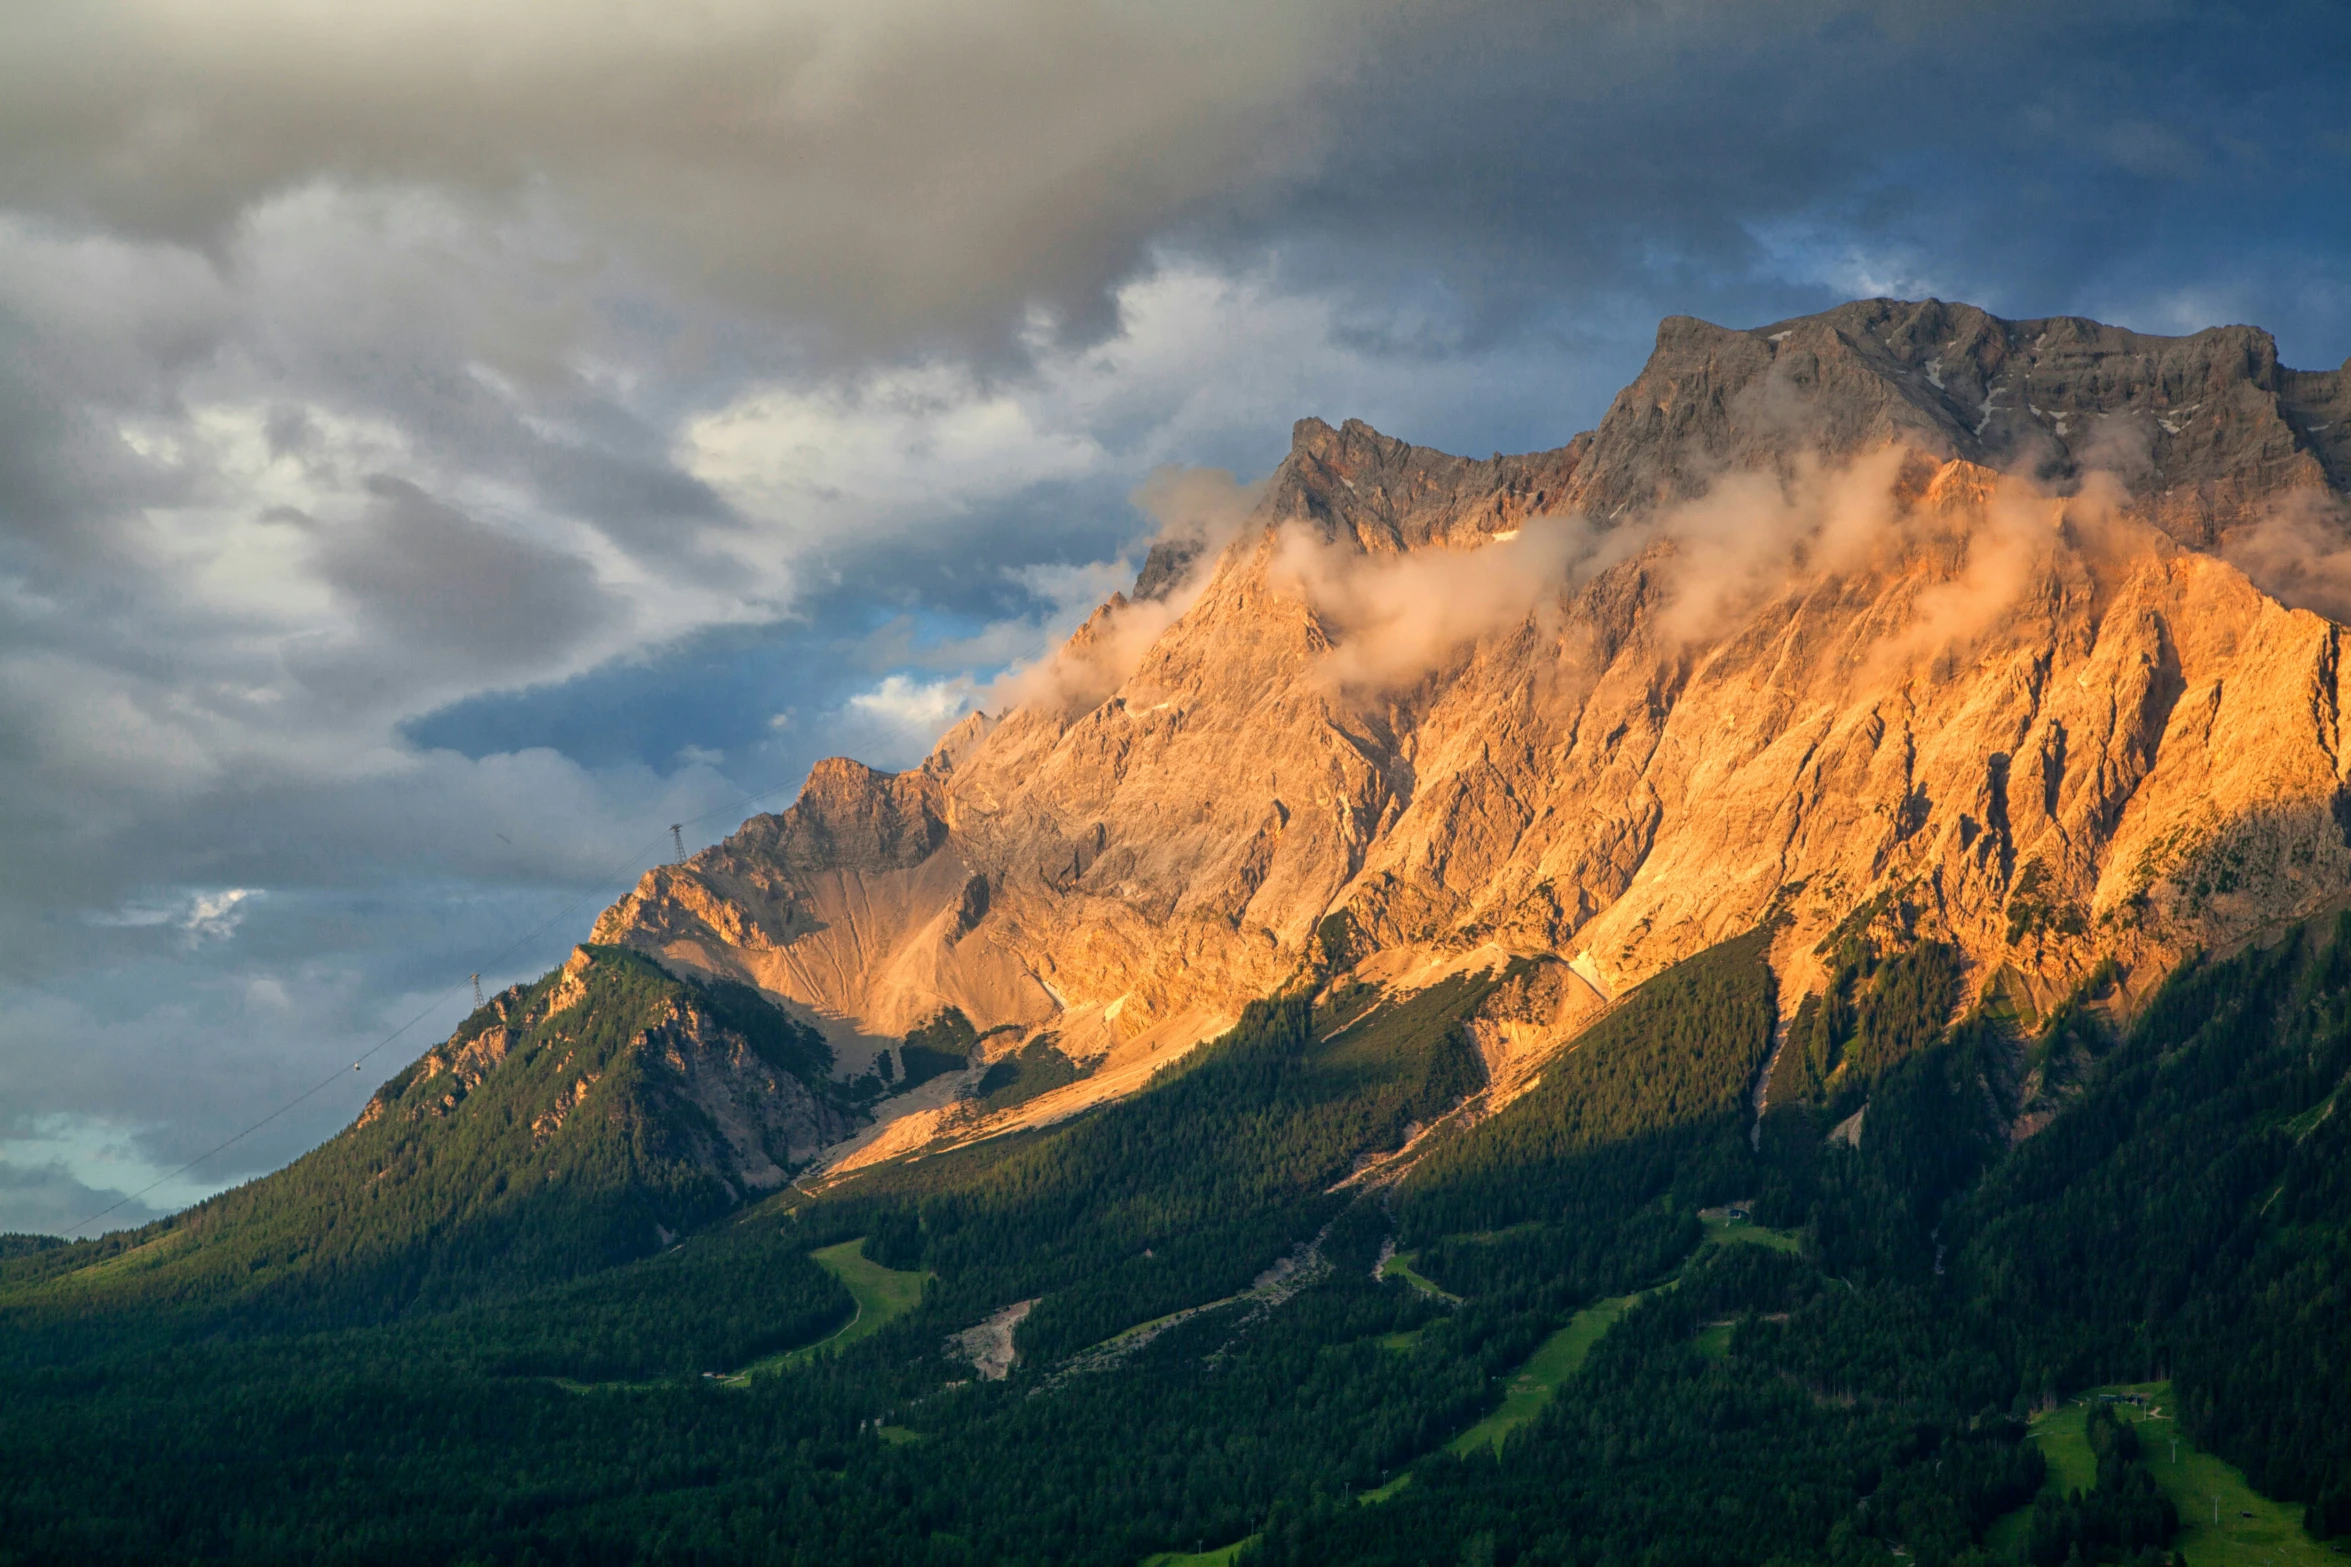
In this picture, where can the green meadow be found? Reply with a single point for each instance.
(1560, 1357)
(2223, 1521)
(882, 1294)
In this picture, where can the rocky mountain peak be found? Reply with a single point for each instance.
(849, 814)
(2203, 427)
(1384, 495)
(1899, 612)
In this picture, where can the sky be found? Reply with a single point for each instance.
(441, 445)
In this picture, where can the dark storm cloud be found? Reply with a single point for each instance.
(66, 479)
(910, 173)
(1730, 160)
(433, 581)
(886, 168)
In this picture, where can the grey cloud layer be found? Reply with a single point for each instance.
(425, 575)
(919, 173)
(884, 166)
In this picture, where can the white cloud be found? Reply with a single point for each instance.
(919, 711)
(824, 461)
(1199, 356)
(215, 916)
(199, 917)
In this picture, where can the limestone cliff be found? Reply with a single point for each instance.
(1900, 611)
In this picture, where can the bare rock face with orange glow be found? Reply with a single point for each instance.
(2014, 633)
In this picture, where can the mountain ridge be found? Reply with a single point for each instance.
(2078, 730)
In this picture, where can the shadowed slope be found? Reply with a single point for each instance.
(567, 1126)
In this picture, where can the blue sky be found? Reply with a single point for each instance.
(441, 447)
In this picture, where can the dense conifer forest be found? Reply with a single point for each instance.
(1241, 1330)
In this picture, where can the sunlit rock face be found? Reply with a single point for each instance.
(2013, 634)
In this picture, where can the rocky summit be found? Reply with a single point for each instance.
(2015, 636)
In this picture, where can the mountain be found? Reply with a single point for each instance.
(567, 1126)
(1984, 627)
(1770, 986)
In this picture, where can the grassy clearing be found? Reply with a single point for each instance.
(1222, 1556)
(1401, 1343)
(898, 1436)
(2307, 1122)
(882, 1294)
(1560, 1357)
(1401, 1266)
(1562, 1354)
(144, 1255)
(2252, 1530)
(1723, 1230)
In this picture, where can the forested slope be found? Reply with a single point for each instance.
(1211, 1357)
(566, 1127)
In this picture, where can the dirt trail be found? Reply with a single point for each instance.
(1303, 1265)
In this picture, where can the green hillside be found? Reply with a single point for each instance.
(880, 1296)
(2222, 1519)
(553, 1135)
(1211, 1360)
